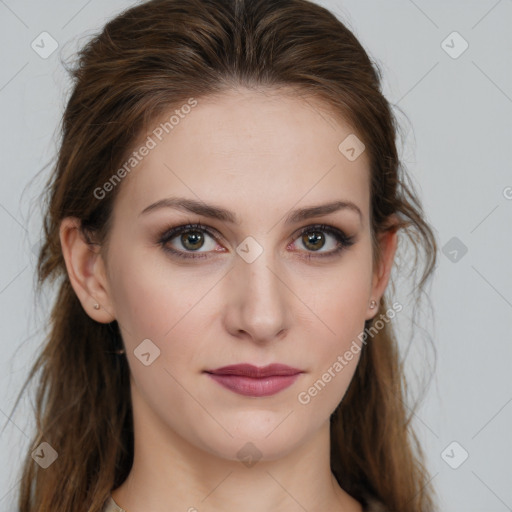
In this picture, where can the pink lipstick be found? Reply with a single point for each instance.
(249, 380)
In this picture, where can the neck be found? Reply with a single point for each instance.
(169, 473)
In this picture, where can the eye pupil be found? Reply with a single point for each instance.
(312, 238)
(192, 237)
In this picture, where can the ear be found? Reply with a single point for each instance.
(388, 241)
(86, 271)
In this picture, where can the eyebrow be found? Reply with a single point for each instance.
(216, 212)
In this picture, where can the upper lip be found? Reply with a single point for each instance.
(248, 370)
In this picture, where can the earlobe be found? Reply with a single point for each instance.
(388, 241)
(85, 268)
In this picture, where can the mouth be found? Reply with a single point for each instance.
(249, 380)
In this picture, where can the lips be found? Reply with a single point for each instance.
(249, 380)
(248, 370)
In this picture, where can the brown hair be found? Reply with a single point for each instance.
(145, 62)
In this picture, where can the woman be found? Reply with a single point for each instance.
(222, 222)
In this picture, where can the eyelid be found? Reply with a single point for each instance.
(344, 241)
(191, 226)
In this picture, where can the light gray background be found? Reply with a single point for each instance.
(457, 149)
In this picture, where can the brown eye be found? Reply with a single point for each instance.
(186, 241)
(192, 240)
(313, 240)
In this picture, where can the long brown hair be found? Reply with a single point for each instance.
(145, 62)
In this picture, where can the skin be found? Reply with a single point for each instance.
(260, 155)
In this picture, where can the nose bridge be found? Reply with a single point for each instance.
(262, 278)
(261, 298)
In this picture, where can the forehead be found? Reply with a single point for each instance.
(253, 151)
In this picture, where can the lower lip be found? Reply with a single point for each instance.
(264, 386)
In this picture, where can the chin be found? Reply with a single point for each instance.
(255, 441)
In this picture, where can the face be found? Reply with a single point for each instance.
(259, 286)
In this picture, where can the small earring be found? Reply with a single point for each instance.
(96, 306)
(372, 304)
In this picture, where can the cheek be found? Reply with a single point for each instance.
(180, 308)
(151, 303)
(151, 300)
(334, 355)
(158, 300)
(340, 307)
(340, 301)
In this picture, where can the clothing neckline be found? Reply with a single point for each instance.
(112, 506)
(370, 505)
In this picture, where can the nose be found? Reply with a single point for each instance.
(258, 307)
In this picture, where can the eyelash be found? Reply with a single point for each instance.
(344, 241)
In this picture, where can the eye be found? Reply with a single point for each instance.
(192, 237)
(313, 239)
